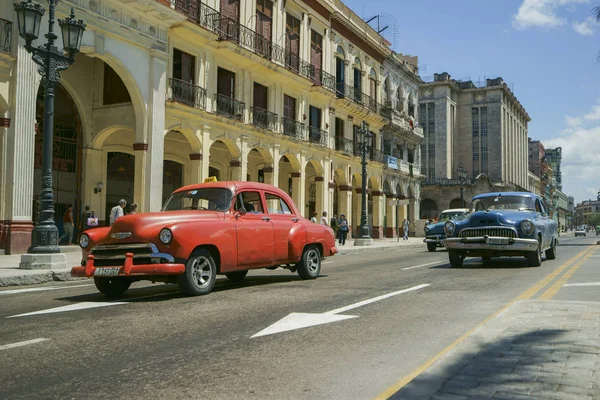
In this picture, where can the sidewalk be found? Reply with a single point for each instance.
(381, 245)
(11, 275)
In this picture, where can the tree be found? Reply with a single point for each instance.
(594, 219)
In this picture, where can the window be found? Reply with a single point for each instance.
(289, 107)
(199, 199)
(184, 66)
(314, 117)
(484, 140)
(250, 201)
(475, 142)
(276, 205)
(115, 91)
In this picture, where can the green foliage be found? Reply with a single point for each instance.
(594, 219)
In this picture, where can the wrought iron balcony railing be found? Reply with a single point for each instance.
(317, 136)
(264, 119)
(229, 107)
(321, 78)
(199, 13)
(187, 93)
(293, 128)
(344, 145)
(376, 155)
(5, 36)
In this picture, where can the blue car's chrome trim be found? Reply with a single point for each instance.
(478, 243)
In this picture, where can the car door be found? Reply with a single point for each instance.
(255, 234)
(543, 222)
(284, 221)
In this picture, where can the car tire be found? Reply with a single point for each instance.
(456, 260)
(534, 258)
(431, 247)
(309, 266)
(200, 274)
(112, 287)
(551, 252)
(236, 275)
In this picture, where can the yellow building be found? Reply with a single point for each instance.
(165, 94)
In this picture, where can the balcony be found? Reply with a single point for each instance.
(229, 107)
(293, 128)
(186, 93)
(317, 136)
(344, 145)
(403, 125)
(264, 119)
(5, 36)
(199, 13)
(376, 155)
(321, 78)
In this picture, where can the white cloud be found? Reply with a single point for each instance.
(542, 13)
(584, 27)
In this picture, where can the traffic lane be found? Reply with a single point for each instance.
(163, 346)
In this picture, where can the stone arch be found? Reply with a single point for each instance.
(258, 158)
(100, 138)
(357, 63)
(318, 167)
(339, 176)
(456, 203)
(292, 159)
(400, 98)
(387, 188)
(189, 134)
(224, 160)
(373, 182)
(429, 209)
(231, 146)
(340, 53)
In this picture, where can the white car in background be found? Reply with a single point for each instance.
(580, 231)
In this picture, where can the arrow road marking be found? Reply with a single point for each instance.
(19, 344)
(295, 321)
(71, 307)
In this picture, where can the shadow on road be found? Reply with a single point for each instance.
(494, 263)
(512, 364)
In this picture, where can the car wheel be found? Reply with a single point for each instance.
(200, 274)
(551, 252)
(309, 266)
(237, 275)
(431, 246)
(112, 286)
(456, 259)
(534, 258)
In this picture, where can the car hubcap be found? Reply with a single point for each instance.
(313, 261)
(201, 271)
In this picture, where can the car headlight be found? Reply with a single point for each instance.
(426, 229)
(84, 241)
(527, 227)
(165, 236)
(449, 227)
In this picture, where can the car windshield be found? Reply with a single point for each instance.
(446, 216)
(521, 203)
(215, 199)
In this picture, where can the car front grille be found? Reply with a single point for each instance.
(496, 231)
(106, 255)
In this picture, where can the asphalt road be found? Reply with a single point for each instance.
(156, 343)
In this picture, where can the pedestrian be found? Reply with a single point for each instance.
(132, 209)
(405, 229)
(343, 229)
(117, 211)
(324, 219)
(68, 224)
(92, 220)
(84, 226)
(314, 218)
(334, 225)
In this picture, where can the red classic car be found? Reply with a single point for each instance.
(204, 230)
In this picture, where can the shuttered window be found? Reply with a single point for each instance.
(184, 66)
(230, 9)
(260, 96)
(316, 49)
(289, 107)
(225, 83)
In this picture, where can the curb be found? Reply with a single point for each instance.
(60, 275)
(367, 249)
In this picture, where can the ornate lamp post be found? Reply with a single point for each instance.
(364, 238)
(50, 61)
(462, 179)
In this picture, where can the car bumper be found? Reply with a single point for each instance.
(479, 243)
(438, 241)
(333, 251)
(128, 269)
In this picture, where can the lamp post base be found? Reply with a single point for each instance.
(363, 242)
(43, 261)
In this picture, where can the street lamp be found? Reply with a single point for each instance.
(462, 179)
(364, 137)
(50, 61)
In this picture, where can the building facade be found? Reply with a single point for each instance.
(244, 90)
(481, 127)
(553, 157)
(584, 210)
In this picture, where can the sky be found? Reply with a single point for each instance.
(546, 51)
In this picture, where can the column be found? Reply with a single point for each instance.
(414, 216)
(244, 156)
(206, 143)
(305, 38)
(377, 231)
(298, 191)
(345, 205)
(139, 182)
(357, 211)
(390, 211)
(20, 143)
(330, 197)
(235, 170)
(211, 81)
(320, 195)
(276, 165)
(196, 167)
(92, 175)
(268, 173)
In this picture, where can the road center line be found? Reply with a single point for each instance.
(373, 300)
(548, 294)
(20, 344)
(424, 265)
(40, 289)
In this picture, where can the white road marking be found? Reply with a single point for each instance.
(327, 262)
(295, 321)
(39, 289)
(424, 265)
(583, 284)
(71, 307)
(19, 344)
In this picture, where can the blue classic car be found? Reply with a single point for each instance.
(503, 224)
(434, 233)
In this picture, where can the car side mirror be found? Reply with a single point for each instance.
(242, 211)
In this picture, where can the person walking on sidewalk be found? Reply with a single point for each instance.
(343, 229)
(405, 229)
(334, 225)
(314, 218)
(324, 219)
(117, 211)
(85, 216)
(68, 224)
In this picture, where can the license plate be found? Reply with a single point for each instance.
(496, 240)
(108, 271)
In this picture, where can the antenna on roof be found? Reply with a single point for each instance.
(386, 25)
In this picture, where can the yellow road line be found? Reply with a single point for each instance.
(551, 292)
(529, 293)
